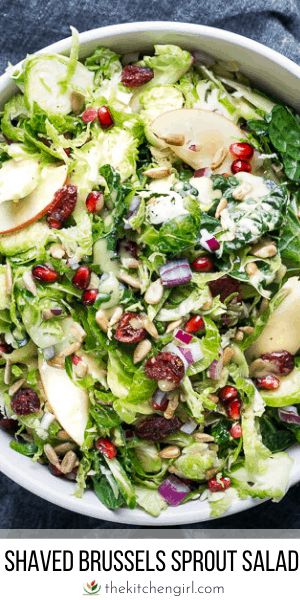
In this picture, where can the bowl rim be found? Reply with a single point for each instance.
(25, 477)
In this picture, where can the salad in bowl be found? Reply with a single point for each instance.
(149, 291)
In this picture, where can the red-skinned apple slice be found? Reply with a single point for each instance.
(207, 137)
(17, 215)
(68, 401)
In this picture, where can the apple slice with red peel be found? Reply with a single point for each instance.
(18, 178)
(17, 215)
(207, 137)
(69, 402)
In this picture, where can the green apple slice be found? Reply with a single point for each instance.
(207, 137)
(69, 402)
(18, 178)
(282, 331)
(17, 215)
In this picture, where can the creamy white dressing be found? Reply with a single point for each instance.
(258, 186)
(207, 194)
(162, 209)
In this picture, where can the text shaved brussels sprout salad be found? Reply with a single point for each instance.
(149, 291)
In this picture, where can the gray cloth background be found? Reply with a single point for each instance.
(27, 26)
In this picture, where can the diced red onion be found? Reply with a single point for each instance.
(176, 272)
(183, 336)
(215, 369)
(191, 354)
(56, 311)
(158, 399)
(289, 414)
(189, 427)
(173, 490)
(178, 351)
(49, 352)
(204, 172)
(133, 209)
(208, 241)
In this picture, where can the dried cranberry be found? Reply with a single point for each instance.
(268, 382)
(195, 324)
(106, 447)
(82, 277)
(203, 264)
(126, 332)
(105, 117)
(219, 484)
(242, 150)
(233, 409)
(228, 392)
(156, 427)
(9, 425)
(240, 165)
(62, 206)
(94, 202)
(25, 401)
(282, 360)
(55, 470)
(165, 365)
(89, 115)
(134, 76)
(44, 274)
(235, 431)
(67, 151)
(225, 286)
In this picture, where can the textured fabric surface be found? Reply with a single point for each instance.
(27, 26)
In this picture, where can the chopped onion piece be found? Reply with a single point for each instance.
(173, 490)
(133, 209)
(183, 336)
(46, 420)
(189, 427)
(208, 241)
(177, 272)
(215, 369)
(159, 399)
(289, 414)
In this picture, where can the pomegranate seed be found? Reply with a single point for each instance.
(195, 324)
(55, 470)
(82, 277)
(235, 431)
(203, 264)
(269, 382)
(67, 151)
(106, 447)
(94, 202)
(89, 297)
(44, 274)
(240, 165)
(219, 485)
(228, 392)
(234, 409)
(105, 117)
(89, 115)
(242, 150)
(76, 359)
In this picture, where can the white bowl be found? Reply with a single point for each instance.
(269, 71)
